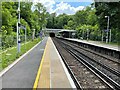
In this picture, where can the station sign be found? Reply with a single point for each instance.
(21, 26)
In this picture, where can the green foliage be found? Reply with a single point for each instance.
(41, 13)
(57, 22)
(10, 55)
(112, 10)
(23, 22)
(30, 19)
(91, 20)
(26, 12)
(80, 17)
(84, 21)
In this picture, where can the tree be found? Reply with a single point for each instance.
(26, 12)
(29, 18)
(41, 12)
(80, 17)
(92, 18)
(70, 25)
(112, 10)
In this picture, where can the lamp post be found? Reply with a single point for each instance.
(102, 35)
(25, 36)
(110, 36)
(18, 28)
(87, 34)
(107, 28)
(33, 35)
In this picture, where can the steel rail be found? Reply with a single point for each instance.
(114, 71)
(108, 79)
(111, 84)
(93, 52)
(69, 70)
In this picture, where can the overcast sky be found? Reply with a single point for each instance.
(64, 6)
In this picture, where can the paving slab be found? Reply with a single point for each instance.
(23, 74)
(54, 74)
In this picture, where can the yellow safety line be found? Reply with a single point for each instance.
(39, 70)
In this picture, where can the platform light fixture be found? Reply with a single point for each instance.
(108, 21)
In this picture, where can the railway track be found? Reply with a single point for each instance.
(105, 67)
(82, 66)
(112, 62)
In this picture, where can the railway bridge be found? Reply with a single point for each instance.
(60, 32)
(51, 32)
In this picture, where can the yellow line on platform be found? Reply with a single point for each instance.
(39, 70)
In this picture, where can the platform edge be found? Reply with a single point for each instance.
(65, 69)
(39, 70)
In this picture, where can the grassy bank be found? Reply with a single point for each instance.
(11, 55)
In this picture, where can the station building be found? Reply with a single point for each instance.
(68, 33)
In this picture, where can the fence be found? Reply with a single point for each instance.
(10, 41)
(9, 51)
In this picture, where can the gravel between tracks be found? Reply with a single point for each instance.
(85, 77)
(99, 59)
(107, 60)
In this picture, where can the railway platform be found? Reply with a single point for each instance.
(97, 43)
(52, 72)
(103, 48)
(22, 72)
(40, 67)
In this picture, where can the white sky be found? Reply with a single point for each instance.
(62, 7)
